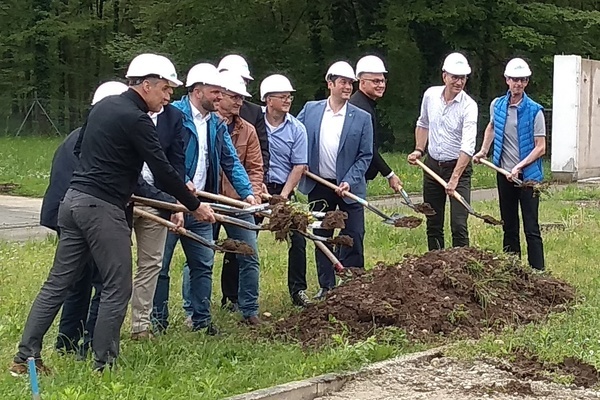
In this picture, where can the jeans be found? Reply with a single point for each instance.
(435, 195)
(200, 261)
(324, 199)
(509, 197)
(90, 227)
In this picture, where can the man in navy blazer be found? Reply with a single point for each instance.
(340, 149)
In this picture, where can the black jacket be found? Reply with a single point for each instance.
(253, 114)
(116, 139)
(63, 164)
(378, 164)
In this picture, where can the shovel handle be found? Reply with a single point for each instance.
(222, 199)
(501, 170)
(225, 219)
(330, 185)
(442, 182)
(337, 265)
(159, 204)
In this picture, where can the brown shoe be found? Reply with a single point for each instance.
(20, 368)
(143, 335)
(252, 321)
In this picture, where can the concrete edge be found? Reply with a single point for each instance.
(310, 389)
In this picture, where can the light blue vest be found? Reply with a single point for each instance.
(526, 112)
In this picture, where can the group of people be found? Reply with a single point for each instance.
(213, 140)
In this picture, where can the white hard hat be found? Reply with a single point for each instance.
(340, 68)
(517, 68)
(110, 88)
(372, 64)
(275, 84)
(456, 64)
(234, 62)
(203, 73)
(153, 64)
(233, 82)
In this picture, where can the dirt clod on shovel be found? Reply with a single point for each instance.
(408, 222)
(342, 240)
(457, 292)
(276, 199)
(425, 208)
(284, 218)
(236, 245)
(539, 188)
(334, 220)
(488, 219)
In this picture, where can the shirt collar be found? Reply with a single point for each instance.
(342, 110)
(457, 99)
(196, 114)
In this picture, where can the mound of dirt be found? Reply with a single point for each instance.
(457, 291)
(334, 220)
(236, 246)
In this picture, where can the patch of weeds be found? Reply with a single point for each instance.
(458, 314)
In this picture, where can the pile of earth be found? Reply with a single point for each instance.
(454, 292)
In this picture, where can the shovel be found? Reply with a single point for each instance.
(247, 208)
(179, 208)
(422, 208)
(504, 172)
(486, 218)
(387, 219)
(182, 231)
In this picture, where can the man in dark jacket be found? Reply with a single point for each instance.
(116, 139)
(74, 320)
(371, 86)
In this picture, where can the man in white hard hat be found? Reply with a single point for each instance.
(518, 131)
(117, 138)
(288, 160)
(244, 295)
(370, 72)
(447, 125)
(74, 318)
(208, 149)
(340, 149)
(250, 112)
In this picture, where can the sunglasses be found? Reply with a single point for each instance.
(521, 79)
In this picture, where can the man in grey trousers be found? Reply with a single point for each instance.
(114, 142)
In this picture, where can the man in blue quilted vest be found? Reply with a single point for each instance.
(518, 131)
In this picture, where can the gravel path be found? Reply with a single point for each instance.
(446, 379)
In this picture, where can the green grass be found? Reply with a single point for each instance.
(27, 160)
(185, 365)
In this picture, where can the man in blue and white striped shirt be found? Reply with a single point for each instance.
(448, 124)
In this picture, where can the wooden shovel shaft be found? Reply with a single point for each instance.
(159, 204)
(442, 182)
(180, 230)
(222, 199)
(501, 170)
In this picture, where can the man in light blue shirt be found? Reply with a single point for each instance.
(288, 159)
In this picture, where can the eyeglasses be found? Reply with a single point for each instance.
(376, 81)
(455, 78)
(238, 98)
(284, 98)
(520, 79)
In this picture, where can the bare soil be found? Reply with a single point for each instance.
(284, 217)
(342, 240)
(488, 219)
(236, 246)
(334, 220)
(454, 292)
(424, 208)
(276, 199)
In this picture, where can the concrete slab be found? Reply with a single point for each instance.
(20, 219)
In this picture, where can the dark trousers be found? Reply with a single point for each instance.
(90, 227)
(324, 199)
(510, 197)
(78, 316)
(296, 262)
(435, 195)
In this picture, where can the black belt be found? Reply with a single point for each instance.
(450, 163)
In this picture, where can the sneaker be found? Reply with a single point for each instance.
(300, 299)
(252, 321)
(20, 368)
(143, 335)
(321, 294)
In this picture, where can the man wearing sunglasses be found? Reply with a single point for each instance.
(448, 126)
(370, 72)
(518, 130)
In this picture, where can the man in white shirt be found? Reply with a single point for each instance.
(448, 126)
(340, 149)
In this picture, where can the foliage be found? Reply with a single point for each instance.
(62, 49)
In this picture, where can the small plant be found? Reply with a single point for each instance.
(458, 314)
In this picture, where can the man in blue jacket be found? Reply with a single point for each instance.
(208, 149)
(518, 131)
(340, 149)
